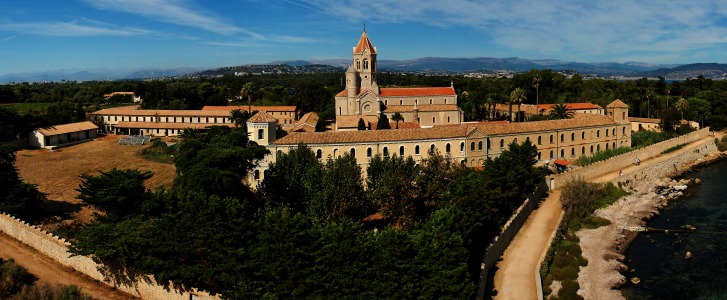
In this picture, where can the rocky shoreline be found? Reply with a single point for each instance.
(603, 247)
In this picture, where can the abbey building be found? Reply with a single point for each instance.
(363, 98)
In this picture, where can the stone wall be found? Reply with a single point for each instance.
(624, 160)
(57, 249)
(509, 230)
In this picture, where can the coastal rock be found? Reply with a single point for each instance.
(688, 255)
(680, 187)
(635, 280)
(697, 181)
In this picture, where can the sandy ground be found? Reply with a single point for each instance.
(57, 173)
(49, 271)
(515, 277)
(515, 271)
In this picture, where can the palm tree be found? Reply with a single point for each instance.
(517, 96)
(682, 105)
(536, 85)
(490, 104)
(667, 89)
(648, 97)
(247, 91)
(396, 117)
(561, 111)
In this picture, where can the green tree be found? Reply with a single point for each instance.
(397, 117)
(342, 192)
(383, 122)
(293, 180)
(561, 111)
(117, 193)
(682, 105)
(240, 117)
(361, 124)
(390, 187)
(247, 91)
(517, 96)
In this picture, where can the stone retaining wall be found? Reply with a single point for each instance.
(624, 160)
(57, 249)
(509, 230)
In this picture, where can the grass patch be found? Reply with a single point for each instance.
(672, 149)
(160, 152)
(601, 155)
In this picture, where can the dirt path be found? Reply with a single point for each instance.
(49, 271)
(515, 276)
(516, 270)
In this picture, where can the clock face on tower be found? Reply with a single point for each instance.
(367, 107)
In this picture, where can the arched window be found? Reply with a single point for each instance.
(572, 151)
(401, 102)
(614, 132)
(562, 152)
(502, 143)
(623, 131)
(572, 136)
(401, 151)
(551, 154)
(539, 155)
(551, 138)
(598, 133)
(614, 145)
(591, 149)
(368, 152)
(540, 140)
(416, 150)
(472, 146)
(434, 119)
(260, 134)
(598, 148)
(353, 152)
(431, 148)
(447, 119)
(358, 64)
(606, 132)
(447, 148)
(386, 151)
(607, 145)
(463, 162)
(583, 135)
(257, 174)
(366, 64)
(562, 137)
(319, 154)
(335, 153)
(461, 146)
(479, 146)
(583, 150)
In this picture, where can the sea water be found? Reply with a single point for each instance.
(659, 259)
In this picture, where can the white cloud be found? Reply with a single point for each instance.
(69, 29)
(170, 11)
(576, 29)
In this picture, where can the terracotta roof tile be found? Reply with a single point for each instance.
(423, 107)
(419, 91)
(572, 106)
(254, 108)
(372, 136)
(352, 121)
(262, 117)
(617, 103)
(67, 128)
(578, 121)
(364, 43)
(167, 125)
(131, 111)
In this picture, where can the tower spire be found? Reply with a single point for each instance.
(364, 26)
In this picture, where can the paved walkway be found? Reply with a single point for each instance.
(515, 275)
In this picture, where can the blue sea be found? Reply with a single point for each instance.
(658, 259)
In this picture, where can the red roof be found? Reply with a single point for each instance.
(422, 91)
(572, 106)
(561, 162)
(364, 43)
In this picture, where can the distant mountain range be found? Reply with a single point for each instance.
(419, 65)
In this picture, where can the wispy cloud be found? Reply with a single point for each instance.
(171, 11)
(69, 29)
(579, 29)
(5, 39)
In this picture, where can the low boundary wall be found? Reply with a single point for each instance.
(624, 160)
(57, 249)
(509, 230)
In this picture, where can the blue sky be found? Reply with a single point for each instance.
(43, 35)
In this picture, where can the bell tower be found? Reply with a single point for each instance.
(364, 61)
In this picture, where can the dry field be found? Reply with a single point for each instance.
(57, 173)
